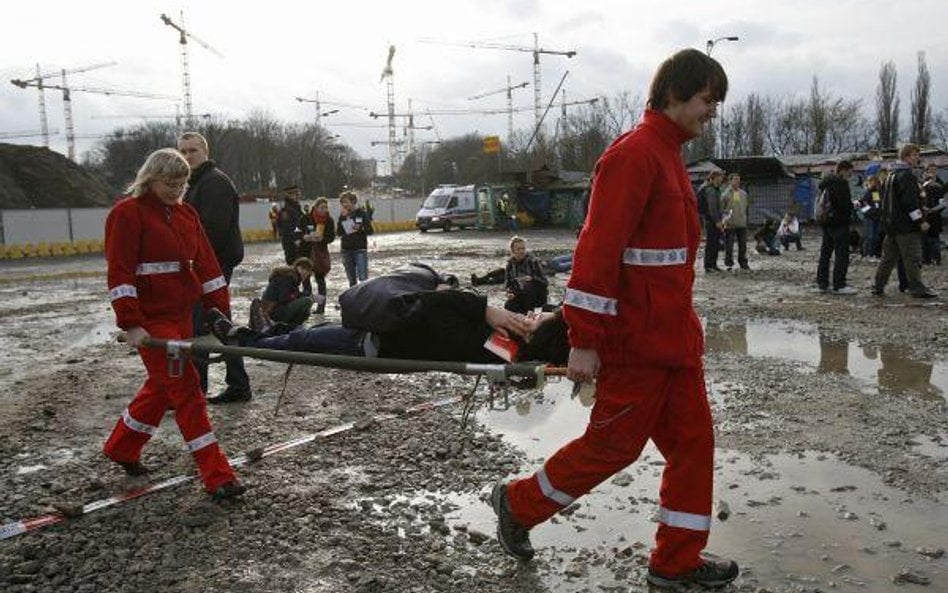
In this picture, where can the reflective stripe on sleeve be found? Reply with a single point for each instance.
(214, 284)
(123, 290)
(590, 302)
(136, 425)
(635, 256)
(915, 214)
(684, 520)
(561, 498)
(157, 267)
(202, 441)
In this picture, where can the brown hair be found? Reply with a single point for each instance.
(908, 149)
(303, 262)
(844, 165)
(514, 240)
(320, 200)
(684, 75)
(349, 195)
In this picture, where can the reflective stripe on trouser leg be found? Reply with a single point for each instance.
(139, 421)
(685, 438)
(627, 403)
(191, 415)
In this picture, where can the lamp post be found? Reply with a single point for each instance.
(708, 48)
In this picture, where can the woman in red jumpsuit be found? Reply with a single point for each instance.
(633, 328)
(159, 265)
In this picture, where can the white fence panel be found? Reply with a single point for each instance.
(88, 224)
(35, 226)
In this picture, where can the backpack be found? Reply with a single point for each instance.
(390, 302)
(823, 209)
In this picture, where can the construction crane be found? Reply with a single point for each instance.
(183, 35)
(67, 101)
(39, 78)
(319, 106)
(536, 50)
(510, 110)
(388, 75)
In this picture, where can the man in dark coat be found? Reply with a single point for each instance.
(835, 243)
(904, 223)
(215, 198)
(288, 222)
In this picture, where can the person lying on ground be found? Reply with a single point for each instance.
(450, 325)
(288, 297)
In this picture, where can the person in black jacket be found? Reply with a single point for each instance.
(904, 223)
(709, 206)
(288, 223)
(451, 325)
(354, 225)
(933, 191)
(288, 297)
(836, 231)
(215, 198)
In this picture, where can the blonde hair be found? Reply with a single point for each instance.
(164, 164)
(195, 136)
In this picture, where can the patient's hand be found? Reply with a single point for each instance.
(507, 322)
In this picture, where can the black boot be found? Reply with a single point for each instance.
(222, 327)
(712, 574)
(231, 395)
(134, 468)
(231, 489)
(512, 537)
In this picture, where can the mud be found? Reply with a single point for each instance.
(831, 427)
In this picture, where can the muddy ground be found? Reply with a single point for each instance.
(830, 411)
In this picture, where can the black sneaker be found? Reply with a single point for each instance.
(258, 319)
(134, 468)
(512, 537)
(231, 489)
(222, 327)
(925, 294)
(712, 574)
(231, 395)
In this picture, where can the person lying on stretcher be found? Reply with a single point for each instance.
(449, 325)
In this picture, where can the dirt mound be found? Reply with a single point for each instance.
(37, 177)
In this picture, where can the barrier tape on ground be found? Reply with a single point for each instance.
(32, 524)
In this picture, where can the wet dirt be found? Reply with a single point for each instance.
(831, 427)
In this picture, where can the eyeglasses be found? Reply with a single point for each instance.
(179, 186)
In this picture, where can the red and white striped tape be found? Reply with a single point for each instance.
(32, 524)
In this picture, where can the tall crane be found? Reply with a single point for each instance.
(319, 106)
(536, 50)
(183, 35)
(67, 101)
(38, 80)
(510, 110)
(388, 75)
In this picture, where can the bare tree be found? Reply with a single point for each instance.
(921, 104)
(757, 117)
(887, 106)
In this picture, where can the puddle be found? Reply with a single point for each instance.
(878, 367)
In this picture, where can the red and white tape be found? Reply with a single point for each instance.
(32, 524)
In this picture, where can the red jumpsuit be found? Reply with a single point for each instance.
(159, 265)
(630, 299)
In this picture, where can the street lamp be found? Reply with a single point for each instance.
(708, 48)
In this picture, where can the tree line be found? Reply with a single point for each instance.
(261, 153)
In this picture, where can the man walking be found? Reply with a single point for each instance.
(904, 223)
(215, 198)
(633, 328)
(736, 207)
(709, 204)
(835, 225)
(289, 223)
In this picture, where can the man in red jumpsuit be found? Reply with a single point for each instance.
(633, 328)
(160, 264)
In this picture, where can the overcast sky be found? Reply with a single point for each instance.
(275, 51)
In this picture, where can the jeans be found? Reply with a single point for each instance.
(835, 245)
(562, 263)
(356, 263)
(322, 339)
(871, 243)
(235, 375)
(320, 290)
(741, 235)
(791, 238)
